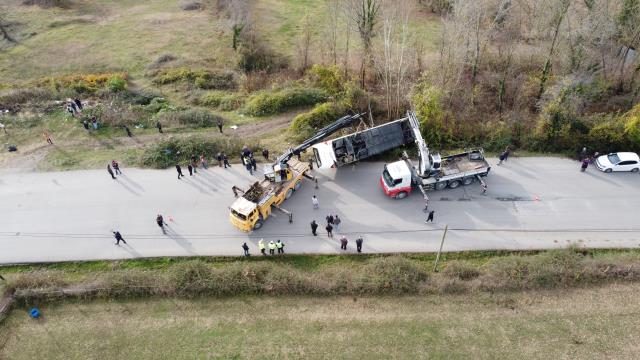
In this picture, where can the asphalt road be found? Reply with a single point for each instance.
(531, 203)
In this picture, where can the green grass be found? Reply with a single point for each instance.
(583, 324)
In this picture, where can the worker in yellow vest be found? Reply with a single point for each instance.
(272, 248)
(261, 247)
(280, 246)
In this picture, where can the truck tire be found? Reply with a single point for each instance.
(468, 180)
(454, 184)
(288, 193)
(297, 185)
(401, 195)
(258, 224)
(440, 185)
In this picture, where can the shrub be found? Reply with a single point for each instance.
(116, 84)
(305, 124)
(392, 274)
(461, 270)
(607, 136)
(192, 278)
(269, 103)
(12, 99)
(427, 102)
(221, 100)
(632, 127)
(255, 55)
(200, 78)
(328, 78)
(173, 150)
(47, 3)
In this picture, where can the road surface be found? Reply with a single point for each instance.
(532, 203)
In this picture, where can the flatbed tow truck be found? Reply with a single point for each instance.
(433, 172)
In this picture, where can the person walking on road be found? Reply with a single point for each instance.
(261, 247)
(343, 242)
(245, 247)
(585, 164)
(190, 168)
(315, 202)
(194, 164)
(203, 162)
(159, 126)
(272, 248)
(329, 219)
(507, 152)
(430, 217)
(426, 204)
(254, 164)
(280, 246)
(583, 154)
(161, 223)
(179, 170)
(337, 222)
(116, 167)
(110, 172)
(359, 244)
(502, 157)
(219, 123)
(329, 229)
(118, 236)
(314, 228)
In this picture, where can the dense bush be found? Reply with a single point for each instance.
(221, 100)
(83, 83)
(329, 78)
(174, 150)
(305, 125)
(200, 78)
(255, 55)
(116, 84)
(427, 102)
(274, 102)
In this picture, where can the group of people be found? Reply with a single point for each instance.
(194, 163)
(74, 107)
(94, 124)
(273, 246)
(114, 169)
(586, 159)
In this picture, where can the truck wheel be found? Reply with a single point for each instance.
(467, 181)
(454, 184)
(258, 224)
(441, 185)
(297, 185)
(401, 195)
(288, 194)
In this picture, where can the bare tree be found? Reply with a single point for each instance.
(304, 42)
(239, 14)
(559, 14)
(4, 27)
(333, 14)
(365, 15)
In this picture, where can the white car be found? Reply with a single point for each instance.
(622, 161)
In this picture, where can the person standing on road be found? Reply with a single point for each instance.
(329, 219)
(219, 123)
(245, 247)
(314, 227)
(254, 164)
(161, 223)
(116, 167)
(261, 247)
(110, 172)
(249, 166)
(159, 126)
(194, 164)
(329, 229)
(426, 204)
(585, 164)
(272, 248)
(225, 160)
(203, 162)
(190, 168)
(337, 222)
(280, 246)
(502, 157)
(343, 242)
(507, 152)
(582, 154)
(219, 158)
(316, 203)
(265, 153)
(118, 237)
(179, 170)
(359, 244)
(430, 217)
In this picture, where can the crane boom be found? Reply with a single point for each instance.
(319, 136)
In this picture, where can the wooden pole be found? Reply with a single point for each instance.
(435, 266)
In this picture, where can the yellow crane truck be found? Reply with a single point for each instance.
(281, 180)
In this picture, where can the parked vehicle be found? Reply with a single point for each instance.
(621, 161)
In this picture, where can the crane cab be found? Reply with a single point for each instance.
(278, 173)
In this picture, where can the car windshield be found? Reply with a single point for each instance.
(613, 158)
(387, 177)
(238, 215)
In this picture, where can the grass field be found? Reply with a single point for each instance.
(582, 323)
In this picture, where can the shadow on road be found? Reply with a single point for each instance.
(128, 188)
(186, 245)
(133, 183)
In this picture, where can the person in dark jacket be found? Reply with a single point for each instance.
(190, 168)
(161, 223)
(585, 164)
(245, 247)
(126, 128)
(78, 103)
(116, 167)
(219, 123)
(225, 160)
(179, 170)
(329, 229)
(110, 171)
(359, 244)
(85, 123)
(118, 237)
(265, 154)
(329, 219)
(254, 164)
(430, 217)
(159, 126)
(314, 227)
(343, 242)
